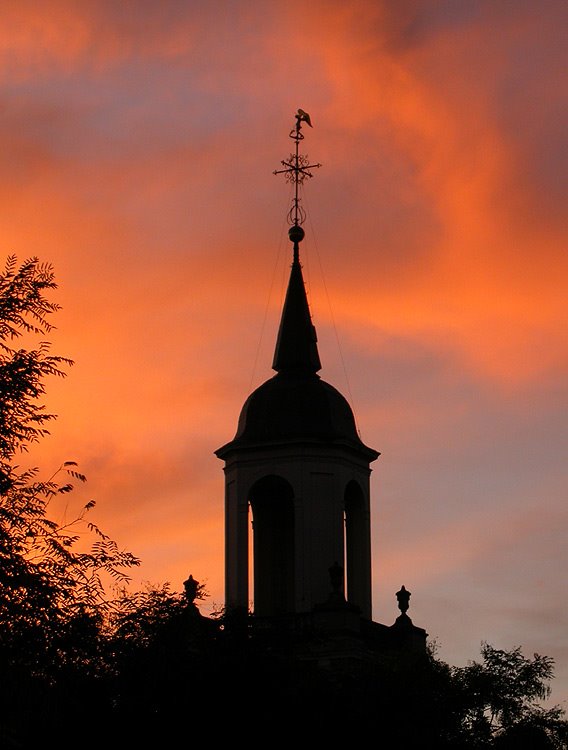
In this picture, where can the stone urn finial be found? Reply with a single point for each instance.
(191, 587)
(403, 597)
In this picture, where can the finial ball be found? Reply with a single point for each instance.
(296, 233)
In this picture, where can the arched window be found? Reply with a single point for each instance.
(272, 503)
(356, 563)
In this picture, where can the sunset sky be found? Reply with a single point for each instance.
(138, 144)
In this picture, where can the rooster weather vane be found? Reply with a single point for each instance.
(296, 169)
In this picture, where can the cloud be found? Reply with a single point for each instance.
(139, 145)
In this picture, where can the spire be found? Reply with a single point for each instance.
(296, 347)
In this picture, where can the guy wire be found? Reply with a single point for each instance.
(350, 394)
(283, 232)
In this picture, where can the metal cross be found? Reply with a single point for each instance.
(296, 168)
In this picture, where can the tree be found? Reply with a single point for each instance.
(52, 597)
(500, 701)
(24, 309)
(164, 653)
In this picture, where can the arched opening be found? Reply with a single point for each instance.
(272, 503)
(356, 574)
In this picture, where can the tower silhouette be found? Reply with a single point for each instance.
(298, 465)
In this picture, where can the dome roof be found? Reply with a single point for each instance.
(296, 404)
(289, 407)
(296, 408)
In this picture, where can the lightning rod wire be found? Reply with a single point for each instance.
(269, 297)
(330, 306)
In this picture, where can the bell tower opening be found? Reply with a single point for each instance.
(272, 504)
(356, 534)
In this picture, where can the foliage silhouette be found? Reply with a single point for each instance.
(52, 598)
(171, 662)
(500, 701)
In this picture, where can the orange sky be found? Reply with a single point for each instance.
(139, 141)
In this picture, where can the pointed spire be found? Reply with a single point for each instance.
(296, 347)
(296, 350)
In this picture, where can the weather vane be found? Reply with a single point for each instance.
(296, 169)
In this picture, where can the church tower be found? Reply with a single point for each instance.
(299, 467)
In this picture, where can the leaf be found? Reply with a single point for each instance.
(77, 475)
